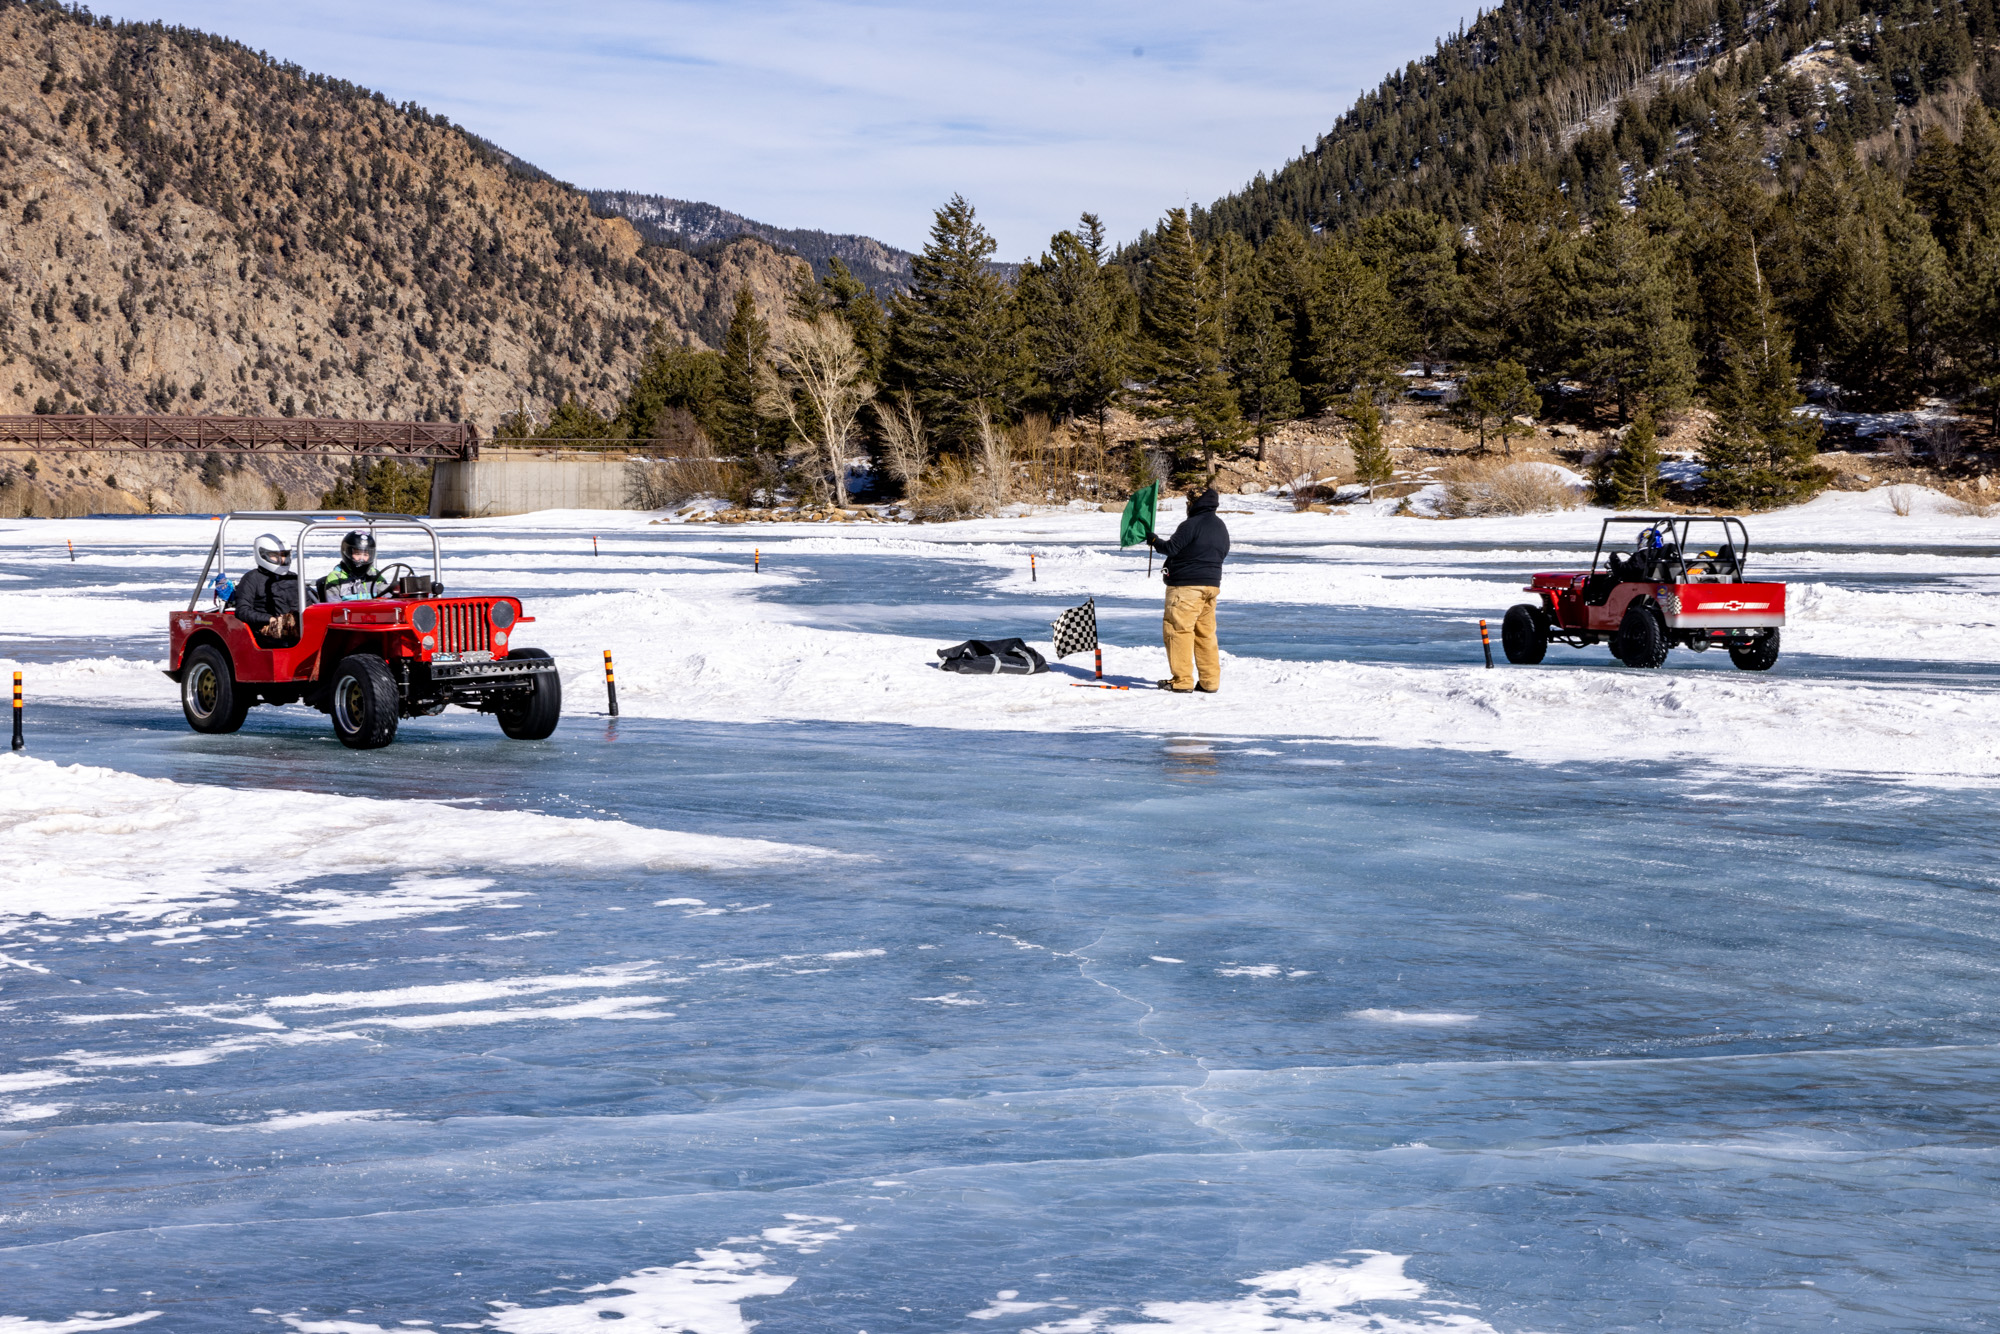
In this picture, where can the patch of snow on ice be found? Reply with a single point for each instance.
(462, 993)
(301, 1120)
(604, 1007)
(1310, 1298)
(701, 1296)
(84, 1320)
(805, 1233)
(1438, 1018)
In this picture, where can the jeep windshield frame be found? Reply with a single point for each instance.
(309, 522)
(1676, 528)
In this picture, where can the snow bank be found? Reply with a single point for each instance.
(729, 664)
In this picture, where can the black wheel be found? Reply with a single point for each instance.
(1642, 640)
(363, 702)
(1759, 655)
(210, 697)
(533, 715)
(1522, 636)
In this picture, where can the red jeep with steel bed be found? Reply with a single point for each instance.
(1670, 590)
(405, 652)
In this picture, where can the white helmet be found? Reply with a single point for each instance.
(272, 554)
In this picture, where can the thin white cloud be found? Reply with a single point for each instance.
(863, 117)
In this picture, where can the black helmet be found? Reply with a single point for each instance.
(357, 550)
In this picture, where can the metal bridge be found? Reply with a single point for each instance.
(71, 433)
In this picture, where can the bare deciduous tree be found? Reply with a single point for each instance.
(815, 381)
(906, 445)
(996, 455)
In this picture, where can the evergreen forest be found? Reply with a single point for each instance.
(1611, 212)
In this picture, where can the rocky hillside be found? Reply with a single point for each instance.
(187, 226)
(687, 225)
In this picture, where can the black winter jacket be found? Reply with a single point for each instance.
(1198, 547)
(260, 595)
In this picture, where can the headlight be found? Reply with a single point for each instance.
(500, 639)
(503, 615)
(425, 618)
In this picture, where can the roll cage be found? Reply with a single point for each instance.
(310, 522)
(1676, 539)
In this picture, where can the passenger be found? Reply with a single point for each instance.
(267, 598)
(355, 577)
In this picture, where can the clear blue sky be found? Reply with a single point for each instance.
(863, 117)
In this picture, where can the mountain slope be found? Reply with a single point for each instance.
(687, 225)
(1597, 92)
(186, 225)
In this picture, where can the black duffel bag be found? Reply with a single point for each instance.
(981, 657)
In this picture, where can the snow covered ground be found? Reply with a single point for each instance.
(1894, 635)
(824, 990)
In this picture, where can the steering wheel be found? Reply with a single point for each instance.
(385, 574)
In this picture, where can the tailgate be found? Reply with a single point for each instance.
(1722, 606)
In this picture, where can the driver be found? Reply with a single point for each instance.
(267, 598)
(356, 576)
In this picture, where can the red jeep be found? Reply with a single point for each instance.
(406, 651)
(1671, 589)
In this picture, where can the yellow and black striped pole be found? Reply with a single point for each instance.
(610, 684)
(18, 742)
(1485, 642)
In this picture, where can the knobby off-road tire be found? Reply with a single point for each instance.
(1522, 636)
(1642, 639)
(1759, 655)
(363, 702)
(210, 698)
(538, 711)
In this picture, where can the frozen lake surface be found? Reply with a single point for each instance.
(1150, 1029)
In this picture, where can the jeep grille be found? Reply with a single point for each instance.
(464, 627)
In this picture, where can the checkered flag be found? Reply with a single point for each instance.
(1076, 629)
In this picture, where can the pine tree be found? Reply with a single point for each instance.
(1619, 327)
(858, 307)
(1357, 336)
(1288, 276)
(1498, 396)
(953, 341)
(1975, 319)
(1257, 351)
(1416, 253)
(1070, 320)
(575, 420)
(1506, 295)
(676, 386)
(741, 428)
(1635, 469)
(1759, 453)
(1372, 466)
(1180, 318)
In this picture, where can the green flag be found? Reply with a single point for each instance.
(1137, 524)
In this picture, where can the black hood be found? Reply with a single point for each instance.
(1204, 503)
